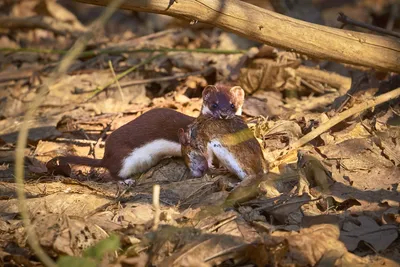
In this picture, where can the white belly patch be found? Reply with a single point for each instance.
(226, 158)
(145, 157)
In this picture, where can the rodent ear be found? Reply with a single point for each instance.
(183, 137)
(207, 90)
(238, 92)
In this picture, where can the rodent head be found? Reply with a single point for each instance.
(222, 102)
(192, 156)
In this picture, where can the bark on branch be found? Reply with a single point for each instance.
(382, 53)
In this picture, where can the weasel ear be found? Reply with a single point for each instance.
(238, 92)
(207, 91)
(183, 137)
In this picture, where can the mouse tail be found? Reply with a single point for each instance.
(81, 161)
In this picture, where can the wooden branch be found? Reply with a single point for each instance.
(40, 22)
(290, 154)
(271, 28)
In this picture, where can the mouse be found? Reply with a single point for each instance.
(142, 143)
(230, 142)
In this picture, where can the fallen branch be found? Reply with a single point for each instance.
(39, 22)
(278, 30)
(337, 119)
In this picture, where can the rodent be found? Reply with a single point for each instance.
(229, 141)
(142, 143)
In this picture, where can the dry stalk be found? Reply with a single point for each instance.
(116, 80)
(23, 133)
(156, 205)
(337, 119)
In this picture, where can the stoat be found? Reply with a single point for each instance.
(229, 141)
(142, 143)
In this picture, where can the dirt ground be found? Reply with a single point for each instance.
(335, 201)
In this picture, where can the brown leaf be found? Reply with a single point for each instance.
(311, 244)
(267, 104)
(36, 166)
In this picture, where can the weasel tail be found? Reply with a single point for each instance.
(82, 161)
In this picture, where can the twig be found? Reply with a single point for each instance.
(116, 80)
(348, 21)
(78, 141)
(16, 74)
(331, 78)
(119, 76)
(32, 239)
(46, 23)
(338, 118)
(156, 205)
(103, 134)
(116, 51)
(227, 251)
(312, 87)
(168, 78)
(114, 201)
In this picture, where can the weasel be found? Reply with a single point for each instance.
(222, 102)
(229, 141)
(142, 143)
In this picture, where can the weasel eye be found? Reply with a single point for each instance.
(214, 106)
(232, 106)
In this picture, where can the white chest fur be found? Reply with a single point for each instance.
(226, 158)
(145, 157)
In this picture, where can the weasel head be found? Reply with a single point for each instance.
(222, 102)
(194, 159)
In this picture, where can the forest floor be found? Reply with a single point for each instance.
(355, 221)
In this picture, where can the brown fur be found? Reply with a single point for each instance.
(160, 123)
(233, 134)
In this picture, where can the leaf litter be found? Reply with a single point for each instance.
(335, 202)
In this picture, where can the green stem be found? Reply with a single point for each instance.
(121, 75)
(114, 51)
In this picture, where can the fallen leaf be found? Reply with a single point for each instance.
(379, 237)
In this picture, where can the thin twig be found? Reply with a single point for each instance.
(339, 118)
(41, 22)
(116, 80)
(78, 141)
(344, 115)
(119, 76)
(78, 47)
(348, 21)
(112, 202)
(164, 79)
(103, 134)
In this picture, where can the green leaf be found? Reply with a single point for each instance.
(69, 261)
(106, 245)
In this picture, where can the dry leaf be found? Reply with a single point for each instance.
(379, 237)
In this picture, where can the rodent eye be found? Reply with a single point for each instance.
(232, 106)
(214, 106)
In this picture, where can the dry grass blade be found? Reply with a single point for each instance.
(23, 133)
